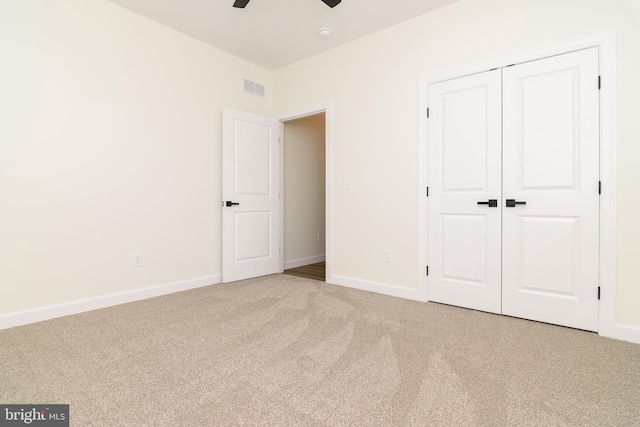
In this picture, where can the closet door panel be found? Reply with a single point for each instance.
(464, 169)
(551, 163)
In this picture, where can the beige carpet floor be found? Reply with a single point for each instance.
(281, 350)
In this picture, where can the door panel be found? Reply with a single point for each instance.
(250, 234)
(252, 148)
(464, 139)
(464, 168)
(551, 162)
(560, 260)
(548, 146)
(464, 243)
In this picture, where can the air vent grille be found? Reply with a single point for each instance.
(253, 88)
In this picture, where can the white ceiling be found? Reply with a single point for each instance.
(275, 33)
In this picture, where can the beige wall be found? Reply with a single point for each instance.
(109, 145)
(304, 188)
(373, 85)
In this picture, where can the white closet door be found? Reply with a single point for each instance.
(551, 162)
(464, 169)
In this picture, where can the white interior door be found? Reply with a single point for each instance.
(251, 205)
(465, 169)
(551, 162)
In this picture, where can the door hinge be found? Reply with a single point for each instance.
(599, 187)
(598, 292)
(599, 83)
(427, 191)
(427, 112)
(427, 270)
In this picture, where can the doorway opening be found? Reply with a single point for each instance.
(304, 196)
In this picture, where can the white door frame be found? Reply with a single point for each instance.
(327, 108)
(605, 43)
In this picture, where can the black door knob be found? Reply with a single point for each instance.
(511, 203)
(493, 203)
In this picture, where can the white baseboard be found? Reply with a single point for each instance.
(628, 333)
(74, 307)
(303, 261)
(380, 288)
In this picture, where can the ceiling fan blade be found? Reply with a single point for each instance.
(242, 3)
(331, 3)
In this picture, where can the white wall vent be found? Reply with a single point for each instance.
(253, 88)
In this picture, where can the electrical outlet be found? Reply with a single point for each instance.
(386, 255)
(137, 259)
(319, 237)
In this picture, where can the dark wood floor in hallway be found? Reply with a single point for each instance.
(312, 271)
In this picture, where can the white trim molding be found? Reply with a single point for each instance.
(294, 263)
(25, 317)
(379, 288)
(605, 43)
(628, 333)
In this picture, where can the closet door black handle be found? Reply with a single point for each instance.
(511, 203)
(230, 203)
(493, 203)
